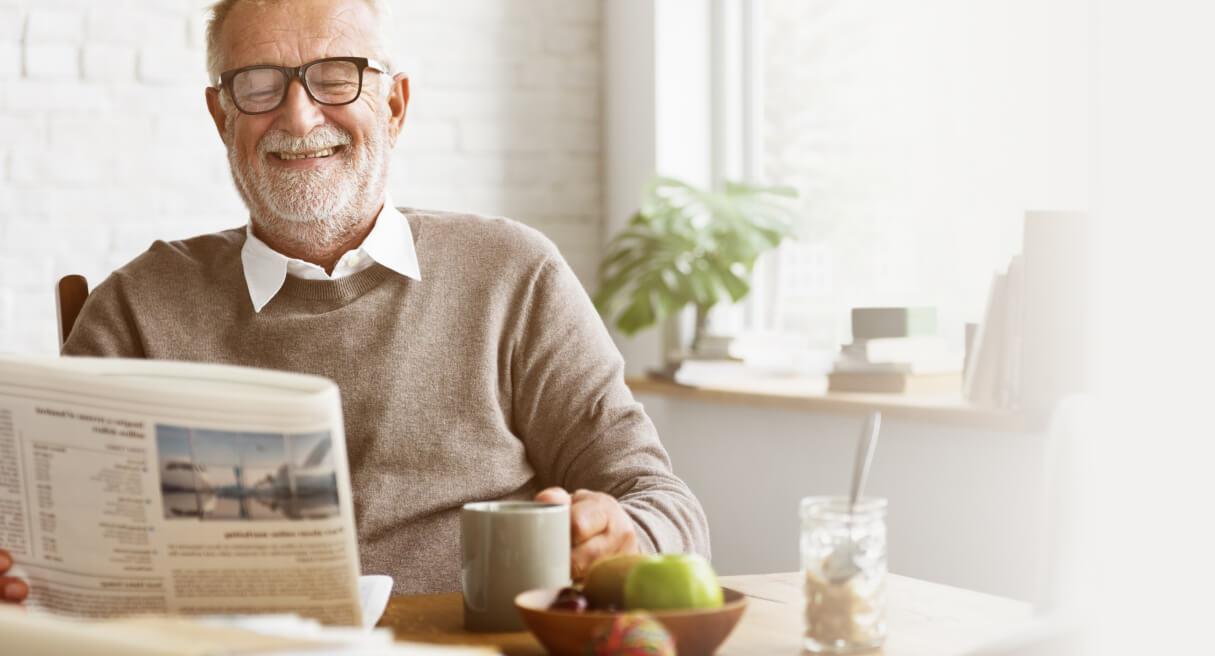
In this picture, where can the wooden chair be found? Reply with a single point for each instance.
(70, 294)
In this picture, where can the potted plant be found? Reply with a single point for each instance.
(687, 246)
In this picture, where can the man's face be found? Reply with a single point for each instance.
(308, 172)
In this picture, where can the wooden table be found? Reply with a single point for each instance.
(926, 619)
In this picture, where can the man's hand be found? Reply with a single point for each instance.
(12, 590)
(598, 527)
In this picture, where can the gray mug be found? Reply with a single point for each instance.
(508, 547)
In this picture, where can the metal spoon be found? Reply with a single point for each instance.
(841, 564)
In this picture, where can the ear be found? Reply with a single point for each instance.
(217, 110)
(398, 99)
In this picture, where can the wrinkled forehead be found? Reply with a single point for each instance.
(292, 32)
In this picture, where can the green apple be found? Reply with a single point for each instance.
(671, 581)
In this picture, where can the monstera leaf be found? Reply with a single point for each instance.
(688, 245)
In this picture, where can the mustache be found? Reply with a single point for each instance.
(323, 136)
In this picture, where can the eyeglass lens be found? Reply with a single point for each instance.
(329, 82)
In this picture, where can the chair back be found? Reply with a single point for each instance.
(70, 295)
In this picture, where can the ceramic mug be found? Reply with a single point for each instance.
(508, 547)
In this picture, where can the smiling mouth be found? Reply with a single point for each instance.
(316, 154)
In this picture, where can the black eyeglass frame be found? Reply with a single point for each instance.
(298, 72)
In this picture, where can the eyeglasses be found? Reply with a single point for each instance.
(329, 81)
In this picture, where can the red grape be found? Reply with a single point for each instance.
(569, 599)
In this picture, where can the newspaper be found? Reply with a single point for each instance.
(149, 487)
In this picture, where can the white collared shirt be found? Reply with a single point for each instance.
(389, 243)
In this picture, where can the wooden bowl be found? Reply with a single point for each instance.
(565, 633)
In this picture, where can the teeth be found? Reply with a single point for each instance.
(320, 153)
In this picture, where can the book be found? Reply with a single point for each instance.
(904, 355)
(1057, 329)
(943, 365)
(138, 486)
(697, 371)
(1008, 386)
(879, 322)
(993, 373)
(924, 348)
(713, 347)
(895, 382)
(982, 378)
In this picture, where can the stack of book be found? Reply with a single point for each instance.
(896, 351)
(993, 370)
(1034, 345)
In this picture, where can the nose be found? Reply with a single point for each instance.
(298, 115)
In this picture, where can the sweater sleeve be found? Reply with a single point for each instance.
(105, 326)
(579, 421)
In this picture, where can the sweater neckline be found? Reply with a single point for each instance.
(343, 289)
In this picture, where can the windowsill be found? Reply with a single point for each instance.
(807, 395)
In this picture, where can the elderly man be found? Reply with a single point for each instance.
(471, 364)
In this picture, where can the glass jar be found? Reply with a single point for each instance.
(844, 573)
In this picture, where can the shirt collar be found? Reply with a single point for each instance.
(390, 243)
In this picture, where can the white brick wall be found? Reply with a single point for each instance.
(106, 144)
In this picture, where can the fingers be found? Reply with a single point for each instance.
(13, 590)
(585, 554)
(554, 495)
(598, 527)
(590, 514)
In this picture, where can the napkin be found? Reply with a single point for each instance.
(374, 590)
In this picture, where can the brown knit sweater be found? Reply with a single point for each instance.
(491, 378)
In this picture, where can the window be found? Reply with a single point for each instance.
(918, 135)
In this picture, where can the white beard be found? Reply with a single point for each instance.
(311, 209)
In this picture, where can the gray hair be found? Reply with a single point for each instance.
(380, 10)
